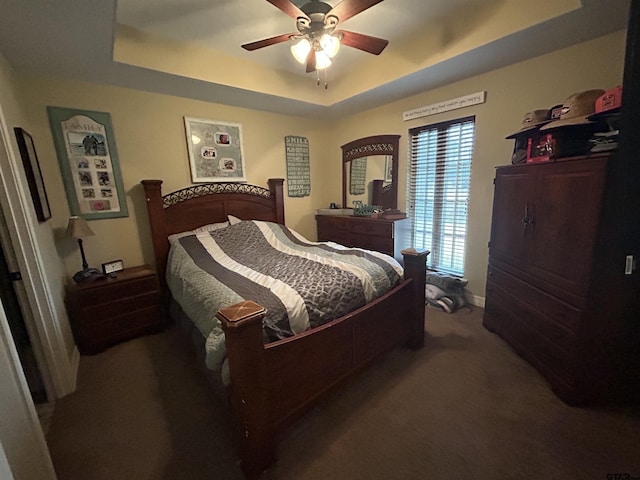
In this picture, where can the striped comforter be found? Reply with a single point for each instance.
(302, 284)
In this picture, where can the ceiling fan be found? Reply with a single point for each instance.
(318, 38)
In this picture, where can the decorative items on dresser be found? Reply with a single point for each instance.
(116, 308)
(384, 235)
(557, 284)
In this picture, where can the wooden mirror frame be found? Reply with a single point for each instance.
(369, 146)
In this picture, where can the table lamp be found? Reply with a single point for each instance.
(78, 228)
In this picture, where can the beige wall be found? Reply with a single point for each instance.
(150, 141)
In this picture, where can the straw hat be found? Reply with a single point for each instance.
(576, 109)
(532, 120)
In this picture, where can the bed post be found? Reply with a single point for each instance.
(276, 189)
(415, 268)
(242, 325)
(153, 195)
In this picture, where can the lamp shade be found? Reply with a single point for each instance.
(330, 45)
(78, 228)
(300, 50)
(322, 60)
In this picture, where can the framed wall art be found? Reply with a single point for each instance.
(86, 150)
(215, 151)
(298, 171)
(33, 174)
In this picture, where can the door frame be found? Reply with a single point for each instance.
(59, 366)
(21, 437)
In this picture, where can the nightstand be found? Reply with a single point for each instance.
(109, 311)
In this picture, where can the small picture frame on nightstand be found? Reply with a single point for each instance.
(112, 267)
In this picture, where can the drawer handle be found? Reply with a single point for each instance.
(527, 220)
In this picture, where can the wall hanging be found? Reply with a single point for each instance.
(215, 151)
(86, 150)
(34, 174)
(298, 172)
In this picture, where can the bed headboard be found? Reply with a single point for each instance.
(205, 203)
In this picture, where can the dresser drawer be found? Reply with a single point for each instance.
(379, 244)
(558, 311)
(527, 313)
(361, 232)
(337, 236)
(332, 224)
(520, 326)
(364, 227)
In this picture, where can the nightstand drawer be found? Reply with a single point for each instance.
(114, 330)
(123, 325)
(105, 293)
(126, 305)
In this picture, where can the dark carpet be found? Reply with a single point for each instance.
(464, 407)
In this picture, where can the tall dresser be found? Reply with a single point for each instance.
(557, 284)
(563, 285)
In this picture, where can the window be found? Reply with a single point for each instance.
(439, 178)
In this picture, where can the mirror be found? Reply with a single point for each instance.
(365, 177)
(370, 166)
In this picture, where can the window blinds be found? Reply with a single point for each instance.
(439, 179)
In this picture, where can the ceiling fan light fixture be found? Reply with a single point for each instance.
(300, 50)
(330, 45)
(322, 60)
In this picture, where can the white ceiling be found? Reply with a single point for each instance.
(75, 39)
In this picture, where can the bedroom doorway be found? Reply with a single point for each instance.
(10, 293)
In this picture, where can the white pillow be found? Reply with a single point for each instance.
(205, 228)
(233, 220)
(211, 227)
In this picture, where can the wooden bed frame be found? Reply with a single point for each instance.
(274, 384)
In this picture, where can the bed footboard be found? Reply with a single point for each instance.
(242, 324)
(272, 385)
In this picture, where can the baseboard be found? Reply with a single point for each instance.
(477, 301)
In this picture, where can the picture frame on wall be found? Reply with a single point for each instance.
(88, 160)
(215, 151)
(33, 173)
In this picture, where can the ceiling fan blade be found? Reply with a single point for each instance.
(267, 41)
(348, 8)
(311, 61)
(289, 8)
(366, 43)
